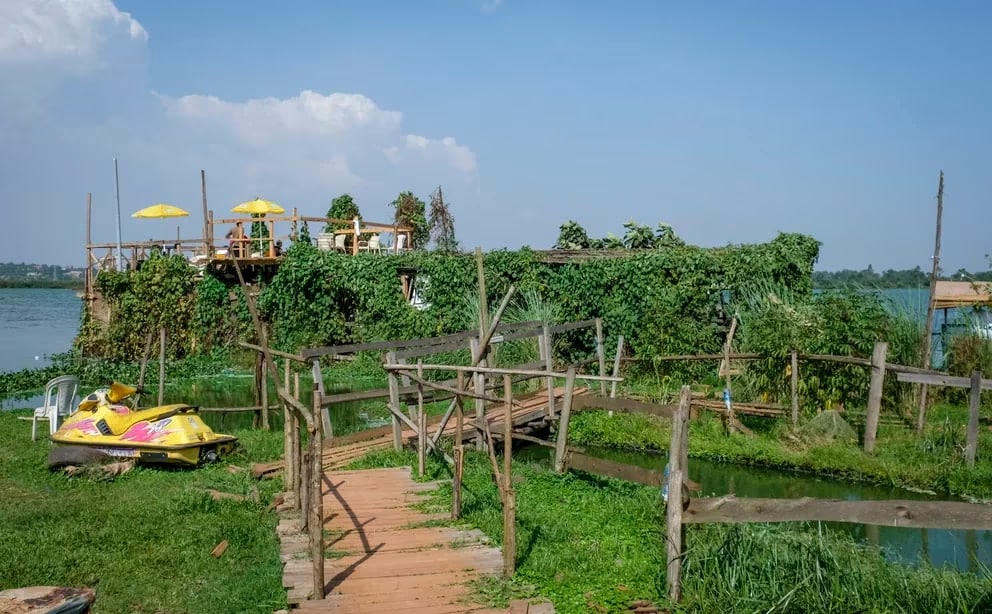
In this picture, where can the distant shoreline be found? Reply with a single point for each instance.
(16, 284)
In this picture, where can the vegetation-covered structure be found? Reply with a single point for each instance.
(667, 299)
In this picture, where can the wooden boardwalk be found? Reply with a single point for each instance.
(382, 555)
(344, 450)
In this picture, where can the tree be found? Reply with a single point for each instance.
(411, 212)
(442, 224)
(571, 235)
(343, 207)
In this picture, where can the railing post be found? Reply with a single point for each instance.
(875, 394)
(601, 354)
(161, 366)
(561, 444)
(616, 366)
(509, 496)
(549, 363)
(316, 511)
(421, 423)
(677, 453)
(394, 400)
(264, 393)
(795, 388)
(480, 389)
(974, 405)
(456, 479)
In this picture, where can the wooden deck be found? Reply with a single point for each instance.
(380, 556)
(344, 450)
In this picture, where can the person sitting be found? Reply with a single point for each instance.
(236, 238)
(278, 248)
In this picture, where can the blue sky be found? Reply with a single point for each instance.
(728, 120)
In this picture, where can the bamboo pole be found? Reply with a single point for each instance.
(479, 381)
(295, 461)
(974, 406)
(510, 498)
(616, 366)
(561, 444)
(206, 221)
(549, 364)
(161, 366)
(421, 423)
(88, 277)
(601, 354)
(456, 479)
(264, 393)
(675, 532)
(145, 356)
(875, 394)
(316, 511)
(794, 379)
(921, 416)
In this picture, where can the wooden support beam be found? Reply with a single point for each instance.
(875, 394)
(794, 381)
(500, 371)
(974, 406)
(566, 412)
(949, 381)
(617, 358)
(456, 478)
(675, 534)
(509, 496)
(547, 340)
(601, 354)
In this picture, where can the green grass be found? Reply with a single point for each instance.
(934, 462)
(143, 541)
(591, 544)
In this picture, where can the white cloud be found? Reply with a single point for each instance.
(83, 98)
(491, 5)
(38, 30)
(447, 150)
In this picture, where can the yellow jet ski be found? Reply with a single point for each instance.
(103, 427)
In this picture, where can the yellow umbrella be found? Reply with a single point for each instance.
(258, 206)
(160, 210)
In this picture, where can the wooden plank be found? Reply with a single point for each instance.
(614, 469)
(430, 350)
(561, 328)
(616, 366)
(949, 381)
(499, 371)
(258, 348)
(890, 513)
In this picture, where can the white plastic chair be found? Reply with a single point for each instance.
(60, 397)
(400, 243)
(372, 245)
(339, 243)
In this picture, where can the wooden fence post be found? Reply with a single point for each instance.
(264, 393)
(161, 366)
(974, 405)
(875, 394)
(304, 498)
(561, 445)
(795, 388)
(324, 415)
(287, 433)
(394, 400)
(456, 479)
(616, 366)
(316, 511)
(677, 453)
(509, 497)
(296, 461)
(601, 355)
(549, 364)
(421, 423)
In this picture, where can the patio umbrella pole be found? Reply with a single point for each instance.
(117, 188)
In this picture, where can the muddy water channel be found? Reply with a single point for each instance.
(969, 551)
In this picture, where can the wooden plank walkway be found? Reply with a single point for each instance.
(381, 555)
(344, 450)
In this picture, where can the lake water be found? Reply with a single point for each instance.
(36, 323)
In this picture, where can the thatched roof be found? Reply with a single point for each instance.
(962, 294)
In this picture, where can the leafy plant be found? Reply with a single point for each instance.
(411, 212)
(343, 207)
